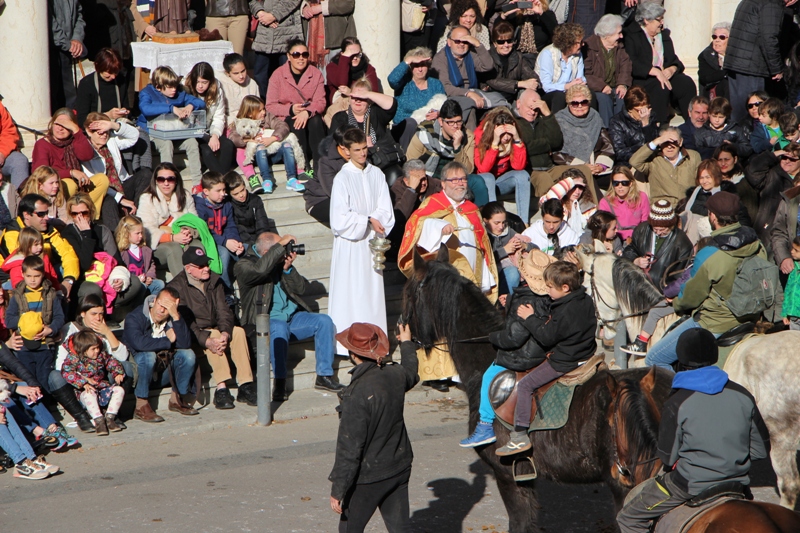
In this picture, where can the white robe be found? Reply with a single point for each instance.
(356, 289)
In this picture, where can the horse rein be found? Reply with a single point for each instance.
(596, 295)
(624, 469)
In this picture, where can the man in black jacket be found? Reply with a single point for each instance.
(753, 52)
(704, 410)
(331, 160)
(373, 452)
(270, 284)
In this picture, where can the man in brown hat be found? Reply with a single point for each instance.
(373, 452)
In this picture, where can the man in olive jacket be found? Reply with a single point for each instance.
(373, 451)
(269, 284)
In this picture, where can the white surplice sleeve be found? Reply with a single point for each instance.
(346, 222)
(384, 211)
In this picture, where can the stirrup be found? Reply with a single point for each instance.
(521, 478)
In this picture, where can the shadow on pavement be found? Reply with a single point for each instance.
(455, 499)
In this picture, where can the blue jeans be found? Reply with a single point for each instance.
(30, 416)
(13, 441)
(476, 184)
(302, 325)
(156, 286)
(509, 280)
(284, 154)
(485, 410)
(518, 181)
(663, 353)
(608, 105)
(226, 257)
(183, 365)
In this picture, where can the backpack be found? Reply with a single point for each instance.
(755, 288)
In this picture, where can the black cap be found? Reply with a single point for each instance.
(194, 255)
(696, 348)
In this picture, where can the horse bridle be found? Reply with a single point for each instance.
(624, 469)
(596, 295)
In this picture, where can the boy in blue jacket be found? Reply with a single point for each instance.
(166, 95)
(212, 207)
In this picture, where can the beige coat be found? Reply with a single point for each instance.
(155, 213)
(667, 182)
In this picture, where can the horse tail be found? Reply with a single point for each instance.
(635, 293)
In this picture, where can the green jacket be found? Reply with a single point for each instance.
(189, 220)
(714, 275)
(791, 295)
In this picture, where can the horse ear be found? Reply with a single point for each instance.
(444, 254)
(648, 382)
(419, 262)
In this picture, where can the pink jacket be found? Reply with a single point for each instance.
(627, 218)
(282, 91)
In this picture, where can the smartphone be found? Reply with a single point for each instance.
(306, 104)
(524, 5)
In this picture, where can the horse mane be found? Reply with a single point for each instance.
(635, 292)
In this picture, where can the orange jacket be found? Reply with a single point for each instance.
(9, 136)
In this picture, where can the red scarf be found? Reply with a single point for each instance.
(316, 39)
(70, 159)
(111, 169)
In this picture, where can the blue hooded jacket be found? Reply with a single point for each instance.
(708, 380)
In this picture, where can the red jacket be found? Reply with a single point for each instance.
(490, 163)
(13, 265)
(50, 155)
(9, 136)
(283, 92)
(338, 74)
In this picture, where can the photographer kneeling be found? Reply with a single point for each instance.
(269, 284)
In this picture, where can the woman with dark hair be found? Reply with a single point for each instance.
(165, 201)
(727, 157)
(551, 232)
(633, 127)
(535, 26)
(346, 67)
(655, 65)
(466, 13)
(750, 122)
(560, 65)
(601, 233)
(216, 150)
(512, 72)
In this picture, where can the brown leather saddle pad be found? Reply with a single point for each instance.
(504, 403)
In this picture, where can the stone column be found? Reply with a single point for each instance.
(378, 26)
(24, 63)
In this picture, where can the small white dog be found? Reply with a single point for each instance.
(434, 104)
(250, 128)
(5, 394)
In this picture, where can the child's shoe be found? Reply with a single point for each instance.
(267, 187)
(42, 463)
(305, 176)
(255, 184)
(27, 469)
(294, 185)
(637, 347)
(71, 441)
(111, 423)
(101, 429)
(518, 442)
(483, 434)
(48, 435)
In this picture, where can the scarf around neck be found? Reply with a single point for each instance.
(580, 134)
(455, 75)
(111, 169)
(70, 159)
(351, 121)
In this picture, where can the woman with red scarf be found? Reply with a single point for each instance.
(65, 148)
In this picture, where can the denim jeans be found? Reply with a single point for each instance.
(156, 286)
(477, 186)
(225, 256)
(509, 280)
(13, 440)
(284, 154)
(183, 365)
(302, 325)
(663, 353)
(518, 181)
(30, 416)
(264, 66)
(485, 410)
(608, 105)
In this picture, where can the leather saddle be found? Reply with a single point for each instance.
(503, 390)
(684, 516)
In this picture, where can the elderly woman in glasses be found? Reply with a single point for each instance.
(586, 140)
(560, 65)
(607, 66)
(713, 78)
(296, 94)
(512, 72)
(655, 65)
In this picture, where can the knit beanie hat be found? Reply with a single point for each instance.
(662, 214)
(723, 204)
(697, 348)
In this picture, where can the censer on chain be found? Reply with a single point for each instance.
(378, 246)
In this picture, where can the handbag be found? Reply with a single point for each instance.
(385, 152)
(412, 16)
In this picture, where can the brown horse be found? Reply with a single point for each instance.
(747, 516)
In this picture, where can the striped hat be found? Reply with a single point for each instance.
(662, 214)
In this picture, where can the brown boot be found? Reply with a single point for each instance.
(145, 413)
(111, 423)
(100, 426)
(178, 405)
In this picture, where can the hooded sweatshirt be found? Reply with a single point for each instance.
(710, 430)
(219, 217)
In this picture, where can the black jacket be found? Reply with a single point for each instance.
(251, 219)
(379, 120)
(753, 47)
(638, 47)
(373, 443)
(9, 363)
(257, 277)
(138, 332)
(541, 139)
(699, 205)
(710, 74)
(567, 331)
(517, 348)
(203, 311)
(508, 72)
(329, 163)
(628, 135)
(97, 238)
(766, 176)
(674, 253)
(688, 130)
(707, 140)
(112, 94)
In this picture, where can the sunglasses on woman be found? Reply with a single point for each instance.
(425, 64)
(753, 104)
(356, 56)
(504, 41)
(165, 179)
(579, 103)
(621, 183)
(789, 158)
(720, 37)
(297, 55)
(79, 213)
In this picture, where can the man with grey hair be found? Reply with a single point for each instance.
(671, 168)
(270, 284)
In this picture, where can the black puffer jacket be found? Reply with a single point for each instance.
(373, 443)
(251, 218)
(753, 47)
(766, 176)
(628, 135)
(329, 163)
(517, 349)
(710, 74)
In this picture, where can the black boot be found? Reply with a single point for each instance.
(66, 397)
(279, 393)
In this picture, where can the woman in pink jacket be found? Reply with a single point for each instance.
(296, 94)
(624, 200)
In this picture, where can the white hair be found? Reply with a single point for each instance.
(648, 11)
(608, 24)
(721, 26)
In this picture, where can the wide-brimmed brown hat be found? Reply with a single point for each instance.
(365, 340)
(532, 269)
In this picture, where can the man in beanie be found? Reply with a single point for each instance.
(704, 410)
(714, 268)
(373, 452)
(659, 244)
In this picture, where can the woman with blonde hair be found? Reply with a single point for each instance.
(45, 182)
(624, 200)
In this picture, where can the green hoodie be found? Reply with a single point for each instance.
(715, 277)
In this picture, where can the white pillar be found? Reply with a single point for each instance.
(24, 62)
(378, 27)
